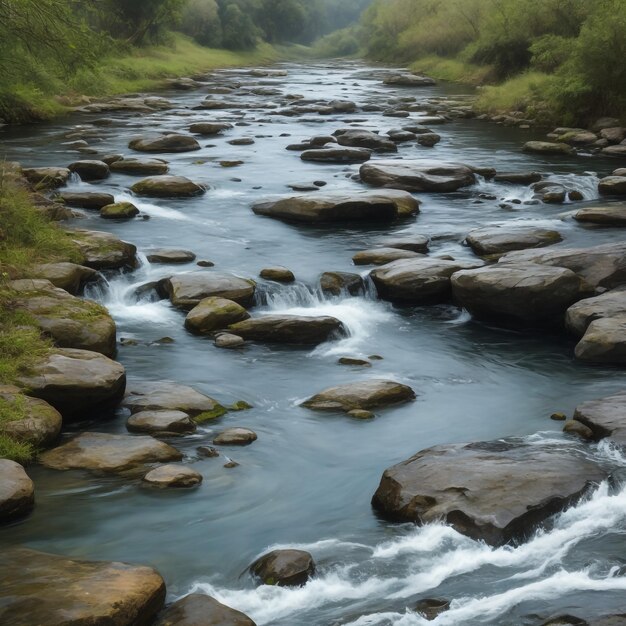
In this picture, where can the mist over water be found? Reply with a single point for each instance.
(307, 481)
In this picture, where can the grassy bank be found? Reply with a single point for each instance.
(126, 70)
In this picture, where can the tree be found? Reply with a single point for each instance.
(201, 20)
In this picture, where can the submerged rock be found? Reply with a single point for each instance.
(235, 437)
(172, 476)
(492, 491)
(187, 290)
(287, 568)
(363, 395)
(40, 588)
(198, 609)
(289, 329)
(17, 494)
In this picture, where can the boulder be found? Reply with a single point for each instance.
(428, 140)
(496, 491)
(213, 314)
(431, 608)
(604, 341)
(576, 428)
(286, 568)
(340, 283)
(417, 281)
(359, 138)
(104, 251)
(605, 417)
(408, 80)
(140, 167)
(525, 293)
(160, 422)
(197, 609)
(86, 199)
(167, 186)
(417, 175)
(612, 185)
(119, 211)
(76, 383)
(546, 147)
(17, 494)
(36, 423)
(229, 341)
(166, 255)
(609, 304)
(90, 170)
(46, 177)
(103, 452)
(518, 178)
(168, 396)
(170, 142)
(39, 588)
(380, 256)
(600, 266)
(209, 128)
(498, 240)
(415, 243)
(341, 207)
(278, 273)
(70, 321)
(68, 276)
(616, 134)
(172, 477)
(615, 151)
(363, 395)
(289, 329)
(337, 155)
(235, 437)
(187, 290)
(606, 215)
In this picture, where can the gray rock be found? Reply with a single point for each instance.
(580, 315)
(170, 142)
(235, 437)
(360, 138)
(289, 329)
(160, 422)
(86, 199)
(140, 167)
(229, 341)
(428, 140)
(337, 155)
(414, 243)
(198, 609)
(187, 290)
(68, 276)
(605, 417)
(287, 568)
(172, 477)
(612, 185)
(498, 240)
(604, 341)
(380, 256)
(166, 255)
(90, 170)
(213, 314)
(167, 187)
(17, 493)
(104, 251)
(576, 428)
(209, 128)
(406, 79)
(339, 283)
(518, 178)
(46, 177)
(607, 215)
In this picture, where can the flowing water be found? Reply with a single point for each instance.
(308, 480)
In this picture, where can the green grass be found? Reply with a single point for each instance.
(18, 451)
(453, 70)
(521, 93)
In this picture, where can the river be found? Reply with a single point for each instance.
(308, 480)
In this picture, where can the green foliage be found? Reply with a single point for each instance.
(341, 43)
(201, 21)
(18, 451)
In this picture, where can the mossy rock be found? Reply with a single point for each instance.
(119, 211)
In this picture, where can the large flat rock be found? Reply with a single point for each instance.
(340, 207)
(197, 609)
(17, 494)
(493, 491)
(523, 293)
(44, 589)
(604, 341)
(498, 240)
(418, 175)
(609, 304)
(418, 281)
(362, 395)
(167, 186)
(102, 452)
(186, 291)
(104, 251)
(289, 329)
(337, 155)
(606, 417)
(68, 276)
(600, 266)
(77, 383)
(606, 215)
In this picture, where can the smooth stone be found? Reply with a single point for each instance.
(289, 329)
(187, 290)
(431, 608)
(171, 142)
(380, 256)
(198, 609)
(103, 251)
(90, 170)
(214, 314)
(209, 128)
(229, 341)
(606, 417)
(496, 491)
(168, 396)
(581, 314)
(337, 155)
(604, 342)
(409, 80)
(160, 421)
(339, 283)
(525, 293)
(600, 266)
(414, 243)
(418, 281)
(39, 588)
(17, 493)
(615, 151)
(86, 199)
(574, 427)
(172, 476)
(241, 141)
(46, 177)
(341, 207)
(498, 240)
(103, 452)
(518, 178)
(608, 215)
(363, 395)
(119, 210)
(428, 140)
(235, 437)
(76, 382)
(612, 185)
(286, 568)
(278, 273)
(140, 167)
(166, 255)
(68, 276)
(167, 186)
(546, 147)
(418, 175)
(359, 138)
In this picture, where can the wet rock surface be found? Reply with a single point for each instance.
(286, 568)
(289, 329)
(198, 609)
(17, 492)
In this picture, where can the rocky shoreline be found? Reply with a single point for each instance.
(499, 492)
